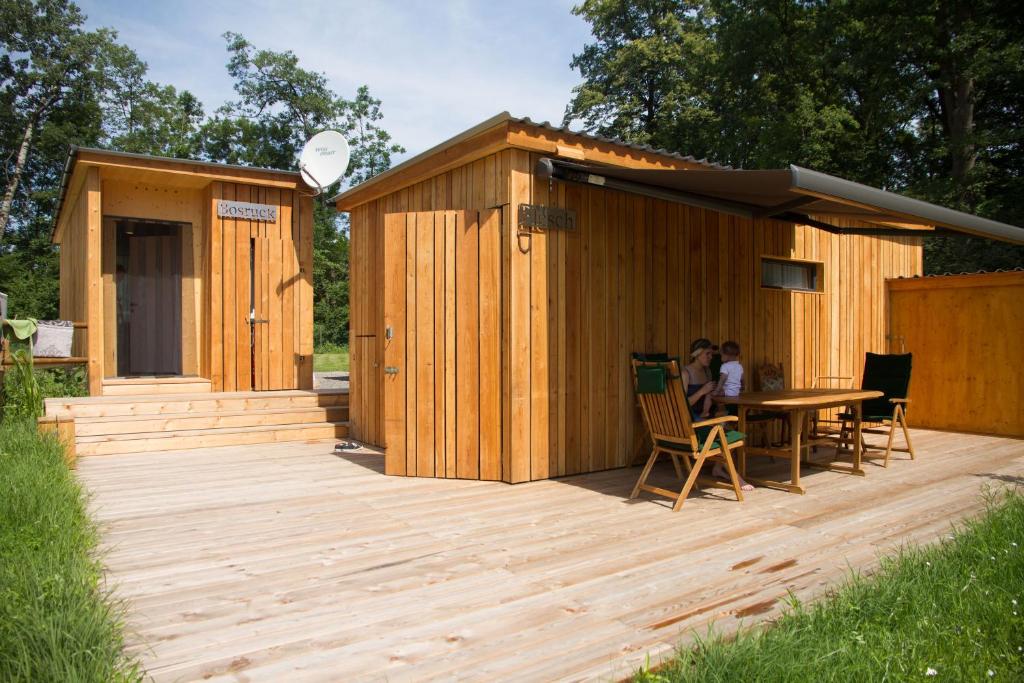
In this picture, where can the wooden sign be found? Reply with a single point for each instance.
(246, 211)
(535, 217)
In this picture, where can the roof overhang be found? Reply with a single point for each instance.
(158, 170)
(794, 194)
(505, 131)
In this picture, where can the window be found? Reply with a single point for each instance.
(800, 276)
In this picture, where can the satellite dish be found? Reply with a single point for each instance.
(324, 159)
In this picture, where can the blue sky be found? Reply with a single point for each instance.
(439, 66)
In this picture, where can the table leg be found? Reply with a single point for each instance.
(854, 467)
(743, 451)
(795, 428)
(856, 436)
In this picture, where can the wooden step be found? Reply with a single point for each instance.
(207, 438)
(149, 386)
(134, 424)
(111, 406)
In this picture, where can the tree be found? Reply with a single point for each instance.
(61, 86)
(280, 105)
(141, 116)
(643, 73)
(923, 97)
(47, 63)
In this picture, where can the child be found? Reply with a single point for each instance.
(730, 381)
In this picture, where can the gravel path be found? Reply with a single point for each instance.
(336, 379)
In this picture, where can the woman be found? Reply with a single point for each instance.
(697, 375)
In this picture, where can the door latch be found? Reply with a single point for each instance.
(390, 370)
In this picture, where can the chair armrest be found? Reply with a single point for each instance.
(716, 421)
(899, 400)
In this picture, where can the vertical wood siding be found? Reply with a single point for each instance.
(81, 285)
(964, 332)
(267, 263)
(638, 275)
(442, 409)
(477, 186)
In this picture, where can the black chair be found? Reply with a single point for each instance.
(890, 374)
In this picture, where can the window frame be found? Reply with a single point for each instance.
(817, 269)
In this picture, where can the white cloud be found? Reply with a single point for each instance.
(439, 67)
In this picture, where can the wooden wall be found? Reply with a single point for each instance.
(639, 275)
(283, 253)
(80, 291)
(964, 332)
(476, 186)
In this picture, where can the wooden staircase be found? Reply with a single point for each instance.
(106, 425)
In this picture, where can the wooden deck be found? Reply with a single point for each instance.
(286, 562)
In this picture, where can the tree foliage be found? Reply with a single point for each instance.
(923, 97)
(61, 85)
(280, 105)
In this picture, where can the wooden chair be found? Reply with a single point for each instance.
(890, 374)
(830, 420)
(666, 412)
(771, 377)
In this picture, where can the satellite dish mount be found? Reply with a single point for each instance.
(324, 159)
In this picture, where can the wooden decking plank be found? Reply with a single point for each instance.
(278, 562)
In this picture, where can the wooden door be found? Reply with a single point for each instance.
(442, 342)
(275, 271)
(149, 335)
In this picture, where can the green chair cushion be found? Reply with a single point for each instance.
(651, 379)
(731, 437)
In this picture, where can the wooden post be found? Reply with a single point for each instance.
(64, 429)
(94, 275)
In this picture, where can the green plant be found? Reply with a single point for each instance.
(954, 609)
(57, 621)
(23, 396)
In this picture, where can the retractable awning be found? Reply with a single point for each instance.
(793, 194)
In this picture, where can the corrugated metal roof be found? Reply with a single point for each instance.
(966, 272)
(661, 151)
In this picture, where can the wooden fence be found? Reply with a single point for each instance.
(965, 333)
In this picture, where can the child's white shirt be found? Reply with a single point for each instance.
(733, 372)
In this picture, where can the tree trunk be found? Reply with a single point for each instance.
(14, 178)
(960, 98)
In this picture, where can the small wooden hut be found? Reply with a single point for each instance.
(188, 276)
(500, 281)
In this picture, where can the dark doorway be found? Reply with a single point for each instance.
(148, 298)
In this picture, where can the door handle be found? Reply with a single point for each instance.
(260, 322)
(390, 370)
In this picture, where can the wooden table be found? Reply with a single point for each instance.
(798, 404)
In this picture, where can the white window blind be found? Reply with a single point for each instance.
(783, 274)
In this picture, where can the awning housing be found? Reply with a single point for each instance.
(794, 194)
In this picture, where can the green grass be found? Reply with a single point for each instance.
(955, 608)
(331, 359)
(57, 623)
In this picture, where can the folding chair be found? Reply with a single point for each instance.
(666, 412)
(643, 438)
(830, 422)
(890, 374)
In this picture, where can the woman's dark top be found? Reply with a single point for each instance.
(692, 389)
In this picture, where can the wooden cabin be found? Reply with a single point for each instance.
(501, 280)
(188, 276)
